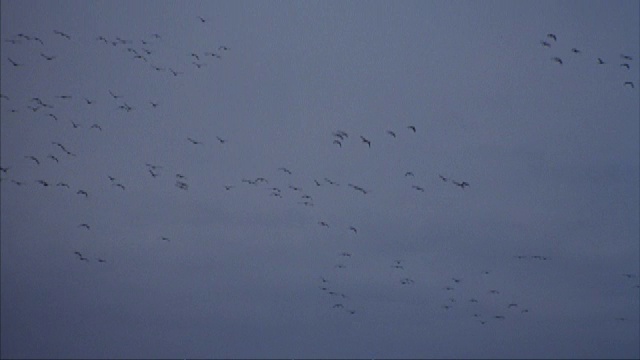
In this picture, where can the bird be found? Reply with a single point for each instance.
(456, 280)
(203, 20)
(512, 305)
(221, 140)
(53, 158)
(575, 51)
(228, 187)
(175, 73)
(337, 142)
(558, 60)
(58, 32)
(322, 223)
(223, 48)
(461, 185)
(19, 183)
(600, 61)
(14, 63)
(391, 133)
(285, 170)
(33, 158)
(443, 178)
(338, 306)
(499, 317)
(365, 140)
(85, 226)
(353, 229)
(101, 260)
(63, 185)
(418, 188)
(4, 169)
(413, 128)
(408, 173)
(195, 142)
(630, 84)
(96, 126)
(82, 192)
(544, 43)
(626, 57)
(625, 65)
(43, 183)
(164, 238)
(75, 125)
(119, 185)
(114, 95)
(552, 36)
(48, 58)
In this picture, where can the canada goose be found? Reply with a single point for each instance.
(413, 128)
(119, 185)
(391, 133)
(82, 192)
(84, 225)
(558, 60)
(355, 231)
(322, 223)
(221, 140)
(114, 95)
(408, 173)
(552, 36)
(365, 140)
(285, 170)
(96, 126)
(337, 142)
(630, 84)
(53, 158)
(443, 178)
(63, 185)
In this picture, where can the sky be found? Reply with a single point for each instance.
(241, 179)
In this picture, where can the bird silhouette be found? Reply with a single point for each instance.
(285, 170)
(552, 36)
(48, 58)
(195, 142)
(62, 34)
(221, 140)
(33, 158)
(53, 158)
(629, 83)
(544, 43)
(408, 173)
(626, 65)
(86, 226)
(391, 133)
(43, 183)
(558, 60)
(575, 51)
(600, 61)
(413, 128)
(626, 57)
(365, 140)
(14, 63)
(353, 229)
(82, 192)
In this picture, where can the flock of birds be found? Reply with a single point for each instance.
(277, 185)
(552, 39)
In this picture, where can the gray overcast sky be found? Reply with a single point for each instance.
(529, 260)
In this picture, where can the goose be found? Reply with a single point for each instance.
(600, 61)
(221, 140)
(355, 231)
(14, 63)
(413, 128)
(285, 170)
(96, 126)
(63, 185)
(391, 133)
(365, 140)
(84, 225)
(575, 51)
(544, 43)
(82, 192)
(53, 158)
(195, 142)
(558, 60)
(626, 57)
(408, 173)
(43, 183)
(625, 65)
(552, 36)
(48, 58)
(630, 84)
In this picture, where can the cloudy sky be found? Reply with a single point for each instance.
(215, 153)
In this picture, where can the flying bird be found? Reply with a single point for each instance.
(19, 183)
(625, 65)
(408, 173)
(391, 133)
(552, 36)
(43, 183)
(49, 58)
(413, 128)
(355, 231)
(575, 51)
(203, 20)
(85, 226)
(285, 170)
(82, 192)
(600, 61)
(194, 141)
(337, 142)
(558, 60)
(626, 57)
(62, 34)
(63, 185)
(114, 95)
(544, 43)
(119, 185)
(630, 84)
(53, 158)
(96, 126)
(33, 158)
(418, 188)
(443, 178)
(365, 140)
(13, 62)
